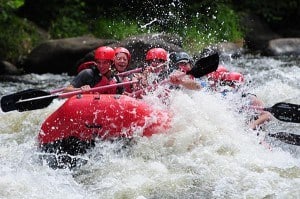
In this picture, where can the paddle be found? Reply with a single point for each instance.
(136, 70)
(8, 102)
(286, 112)
(202, 67)
(288, 138)
(23, 101)
(123, 74)
(205, 66)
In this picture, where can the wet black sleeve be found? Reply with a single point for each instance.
(85, 77)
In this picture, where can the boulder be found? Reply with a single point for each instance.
(60, 56)
(257, 33)
(226, 50)
(7, 68)
(65, 55)
(139, 45)
(284, 46)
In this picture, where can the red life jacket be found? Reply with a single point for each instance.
(86, 65)
(104, 80)
(127, 88)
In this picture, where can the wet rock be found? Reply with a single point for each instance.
(257, 33)
(139, 45)
(226, 50)
(7, 68)
(284, 46)
(60, 56)
(63, 55)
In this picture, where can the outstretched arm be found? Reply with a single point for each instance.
(180, 78)
(263, 117)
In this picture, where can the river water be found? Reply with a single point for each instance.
(208, 153)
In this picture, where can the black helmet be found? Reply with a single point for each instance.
(180, 57)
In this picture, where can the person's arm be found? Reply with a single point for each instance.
(263, 117)
(84, 80)
(190, 84)
(180, 78)
(69, 88)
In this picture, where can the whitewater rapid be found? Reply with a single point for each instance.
(208, 153)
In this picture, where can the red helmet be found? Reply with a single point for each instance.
(157, 53)
(104, 52)
(217, 75)
(234, 77)
(123, 50)
(222, 69)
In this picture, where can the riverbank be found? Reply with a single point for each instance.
(39, 50)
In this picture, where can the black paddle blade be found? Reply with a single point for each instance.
(288, 138)
(205, 65)
(8, 102)
(34, 103)
(285, 112)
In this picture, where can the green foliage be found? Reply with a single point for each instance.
(70, 20)
(220, 25)
(7, 7)
(226, 25)
(113, 29)
(198, 23)
(11, 4)
(67, 27)
(18, 36)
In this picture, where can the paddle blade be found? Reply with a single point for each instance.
(285, 112)
(205, 65)
(8, 102)
(34, 103)
(288, 138)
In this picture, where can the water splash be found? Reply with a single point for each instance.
(208, 153)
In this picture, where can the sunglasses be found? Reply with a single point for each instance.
(182, 63)
(103, 62)
(158, 61)
(227, 83)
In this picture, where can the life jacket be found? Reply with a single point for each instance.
(104, 81)
(89, 64)
(127, 88)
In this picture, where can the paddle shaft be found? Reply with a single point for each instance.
(44, 101)
(123, 74)
(70, 94)
(136, 70)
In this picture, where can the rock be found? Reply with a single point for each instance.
(7, 68)
(257, 33)
(139, 45)
(64, 55)
(226, 50)
(60, 56)
(284, 46)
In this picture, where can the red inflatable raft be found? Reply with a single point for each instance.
(91, 116)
